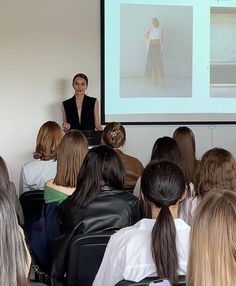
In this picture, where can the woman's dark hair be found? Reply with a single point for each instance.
(82, 75)
(185, 139)
(102, 167)
(163, 185)
(167, 148)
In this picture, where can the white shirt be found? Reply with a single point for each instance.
(35, 174)
(156, 33)
(128, 253)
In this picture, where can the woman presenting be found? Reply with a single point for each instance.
(81, 111)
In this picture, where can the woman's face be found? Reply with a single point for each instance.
(155, 22)
(80, 86)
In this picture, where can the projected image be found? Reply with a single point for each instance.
(154, 62)
(223, 52)
(155, 51)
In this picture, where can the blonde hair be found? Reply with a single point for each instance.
(212, 256)
(48, 140)
(114, 135)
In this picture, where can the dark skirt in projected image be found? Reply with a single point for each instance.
(154, 63)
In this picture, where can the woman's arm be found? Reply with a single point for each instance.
(65, 125)
(98, 125)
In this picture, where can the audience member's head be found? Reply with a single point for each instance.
(114, 135)
(212, 257)
(70, 156)
(163, 187)
(186, 141)
(166, 148)
(48, 139)
(13, 257)
(101, 168)
(217, 169)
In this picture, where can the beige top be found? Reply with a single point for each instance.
(28, 257)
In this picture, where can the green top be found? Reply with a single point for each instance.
(51, 195)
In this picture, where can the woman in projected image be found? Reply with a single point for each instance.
(154, 63)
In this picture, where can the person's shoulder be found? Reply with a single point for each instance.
(90, 98)
(71, 99)
(131, 159)
(37, 163)
(181, 225)
(124, 195)
(31, 164)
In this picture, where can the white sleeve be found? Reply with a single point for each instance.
(137, 188)
(23, 187)
(112, 267)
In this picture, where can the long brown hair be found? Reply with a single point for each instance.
(48, 139)
(13, 257)
(163, 185)
(212, 256)
(217, 169)
(71, 153)
(185, 139)
(4, 175)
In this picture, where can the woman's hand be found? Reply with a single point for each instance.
(66, 126)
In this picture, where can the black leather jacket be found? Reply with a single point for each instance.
(110, 211)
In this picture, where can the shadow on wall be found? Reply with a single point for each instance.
(61, 89)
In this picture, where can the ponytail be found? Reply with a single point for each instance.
(164, 250)
(163, 185)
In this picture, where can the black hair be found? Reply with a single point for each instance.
(102, 167)
(167, 148)
(163, 185)
(82, 75)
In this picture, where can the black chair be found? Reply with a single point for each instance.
(84, 258)
(146, 281)
(32, 203)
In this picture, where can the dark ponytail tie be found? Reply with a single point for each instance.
(165, 203)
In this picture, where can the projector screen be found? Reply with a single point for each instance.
(168, 62)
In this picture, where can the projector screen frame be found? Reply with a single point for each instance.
(152, 122)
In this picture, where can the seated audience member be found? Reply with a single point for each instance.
(212, 254)
(156, 246)
(99, 196)
(37, 172)
(14, 256)
(217, 169)
(114, 135)
(186, 141)
(70, 155)
(165, 148)
(10, 189)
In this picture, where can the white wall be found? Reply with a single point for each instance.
(43, 44)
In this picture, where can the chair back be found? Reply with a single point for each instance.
(84, 258)
(32, 203)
